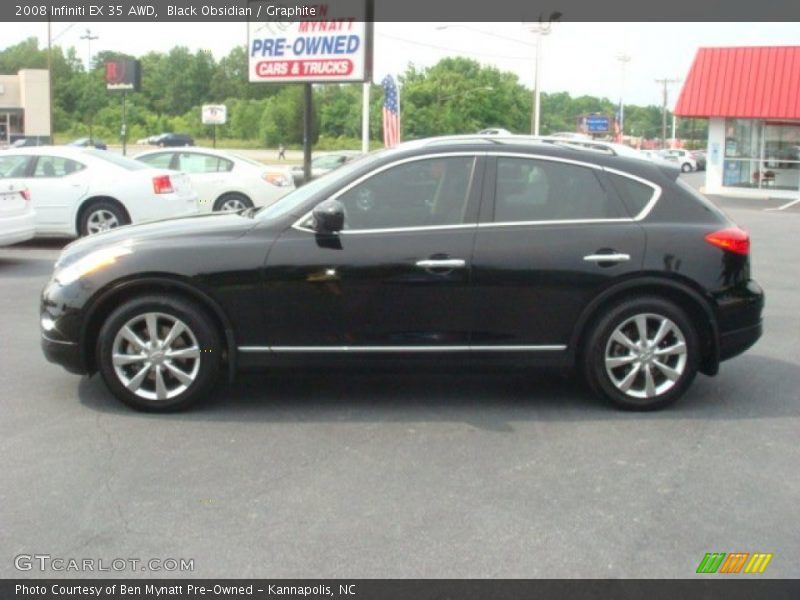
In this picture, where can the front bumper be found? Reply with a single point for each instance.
(65, 354)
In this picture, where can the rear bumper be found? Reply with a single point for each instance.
(63, 353)
(17, 229)
(739, 318)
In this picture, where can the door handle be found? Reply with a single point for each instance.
(598, 258)
(443, 263)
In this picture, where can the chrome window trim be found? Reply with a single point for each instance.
(356, 349)
(298, 224)
(657, 191)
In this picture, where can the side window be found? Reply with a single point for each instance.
(191, 162)
(14, 166)
(161, 160)
(56, 166)
(539, 190)
(421, 193)
(634, 194)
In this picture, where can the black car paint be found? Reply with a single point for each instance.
(270, 284)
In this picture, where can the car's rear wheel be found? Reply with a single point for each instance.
(686, 167)
(642, 354)
(101, 216)
(159, 353)
(232, 202)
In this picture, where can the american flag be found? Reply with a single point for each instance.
(391, 112)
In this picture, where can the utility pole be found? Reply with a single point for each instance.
(665, 82)
(89, 37)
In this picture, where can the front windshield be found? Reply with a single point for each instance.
(292, 201)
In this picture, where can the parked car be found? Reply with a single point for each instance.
(699, 157)
(684, 158)
(323, 164)
(173, 139)
(17, 218)
(80, 191)
(89, 143)
(222, 180)
(495, 131)
(436, 251)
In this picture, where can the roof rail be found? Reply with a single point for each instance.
(573, 144)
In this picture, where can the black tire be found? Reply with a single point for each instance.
(234, 197)
(201, 330)
(90, 213)
(599, 343)
(686, 167)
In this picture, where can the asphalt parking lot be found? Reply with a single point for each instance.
(387, 474)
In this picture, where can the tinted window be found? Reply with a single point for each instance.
(191, 162)
(421, 193)
(159, 161)
(534, 190)
(634, 194)
(56, 166)
(14, 166)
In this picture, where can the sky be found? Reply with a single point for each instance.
(579, 58)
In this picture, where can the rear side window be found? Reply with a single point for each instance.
(539, 190)
(635, 194)
(56, 166)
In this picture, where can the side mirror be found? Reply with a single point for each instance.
(329, 216)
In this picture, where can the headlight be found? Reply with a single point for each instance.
(90, 263)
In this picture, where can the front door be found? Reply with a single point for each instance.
(397, 278)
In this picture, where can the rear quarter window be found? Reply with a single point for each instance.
(635, 194)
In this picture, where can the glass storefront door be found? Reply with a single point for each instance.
(762, 155)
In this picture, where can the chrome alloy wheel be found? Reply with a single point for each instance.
(101, 220)
(232, 205)
(646, 356)
(156, 356)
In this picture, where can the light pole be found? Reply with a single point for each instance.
(623, 59)
(540, 29)
(665, 82)
(89, 37)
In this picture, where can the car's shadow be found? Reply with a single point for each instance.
(757, 387)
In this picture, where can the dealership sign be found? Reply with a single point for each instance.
(332, 43)
(214, 114)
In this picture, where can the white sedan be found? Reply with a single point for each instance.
(224, 181)
(81, 191)
(17, 219)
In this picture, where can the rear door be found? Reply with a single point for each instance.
(209, 175)
(56, 184)
(553, 236)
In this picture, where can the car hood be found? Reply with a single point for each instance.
(163, 234)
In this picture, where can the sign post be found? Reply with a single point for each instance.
(332, 44)
(214, 114)
(123, 74)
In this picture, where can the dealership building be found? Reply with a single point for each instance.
(25, 106)
(751, 98)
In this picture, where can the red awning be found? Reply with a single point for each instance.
(747, 82)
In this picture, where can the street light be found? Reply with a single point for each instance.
(540, 29)
(89, 37)
(623, 59)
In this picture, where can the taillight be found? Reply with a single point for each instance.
(26, 194)
(278, 179)
(732, 239)
(162, 184)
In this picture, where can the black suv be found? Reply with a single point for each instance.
(499, 250)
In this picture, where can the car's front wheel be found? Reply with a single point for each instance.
(642, 354)
(159, 353)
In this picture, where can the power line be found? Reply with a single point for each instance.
(415, 43)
